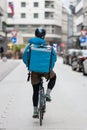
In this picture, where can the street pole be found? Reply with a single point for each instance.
(70, 27)
(4, 25)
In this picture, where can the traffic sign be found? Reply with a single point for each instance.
(14, 40)
(83, 32)
(14, 33)
(83, 41)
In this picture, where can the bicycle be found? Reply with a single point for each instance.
(42, 102)
(42, 99)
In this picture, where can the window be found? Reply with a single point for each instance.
(23, 4)
(23, 26)
(79, 13)
(47, 3)
(23, 15)
(9, 15)
(36, 4)
(35, 15)
(46, 14)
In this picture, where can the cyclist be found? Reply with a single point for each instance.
(35, 77)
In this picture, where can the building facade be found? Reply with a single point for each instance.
(64, 25)
(79, 16)
(28, 15)
(85, 13)
(3, 16)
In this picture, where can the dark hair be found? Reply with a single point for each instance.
(40, 32)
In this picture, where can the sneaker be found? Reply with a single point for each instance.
(48, 98)
(35, 115)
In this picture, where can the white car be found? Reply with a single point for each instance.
(77, 62)
(85, 67)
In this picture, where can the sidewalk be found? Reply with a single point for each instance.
(7, 66)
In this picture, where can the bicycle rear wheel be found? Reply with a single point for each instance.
(40, 110)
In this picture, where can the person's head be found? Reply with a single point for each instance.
(40, 32)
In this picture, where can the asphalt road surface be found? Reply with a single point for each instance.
(67, 111)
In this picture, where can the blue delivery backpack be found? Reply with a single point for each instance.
(40, 58)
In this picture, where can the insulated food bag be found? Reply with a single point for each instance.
(40, 59)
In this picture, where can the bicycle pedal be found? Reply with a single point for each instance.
(48, 100)
(44, 110)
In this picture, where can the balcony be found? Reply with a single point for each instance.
(49, 15)
(49, 4)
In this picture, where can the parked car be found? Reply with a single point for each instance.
(68, 56)
(73, 55)
(77, 62)
(85, 67)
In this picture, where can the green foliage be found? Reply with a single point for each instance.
(18, 47)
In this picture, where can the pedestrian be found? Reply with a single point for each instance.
(1, 51)
(35, 76)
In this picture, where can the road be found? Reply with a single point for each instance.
(67, 111)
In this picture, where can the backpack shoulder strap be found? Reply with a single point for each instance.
(29, 55)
